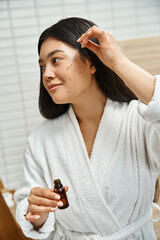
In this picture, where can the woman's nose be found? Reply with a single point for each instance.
(48, 74)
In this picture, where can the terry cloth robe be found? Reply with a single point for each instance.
(111, 193)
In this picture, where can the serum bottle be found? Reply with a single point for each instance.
(59, 189)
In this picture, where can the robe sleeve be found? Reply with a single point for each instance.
(33, 177)
(151, 114)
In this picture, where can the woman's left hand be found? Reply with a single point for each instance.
(107, 51)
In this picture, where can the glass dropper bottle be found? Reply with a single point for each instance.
(59, 189)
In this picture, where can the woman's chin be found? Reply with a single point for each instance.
(60, 101)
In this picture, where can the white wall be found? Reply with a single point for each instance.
(21, 23)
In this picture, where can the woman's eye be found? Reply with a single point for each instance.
(55, 60)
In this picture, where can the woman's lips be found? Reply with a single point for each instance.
(53, 86)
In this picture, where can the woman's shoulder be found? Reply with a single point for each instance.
(126, 112)
(124, 107)
(46, 128)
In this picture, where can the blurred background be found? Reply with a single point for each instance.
(21, 23)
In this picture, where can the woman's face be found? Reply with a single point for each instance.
(65, 80)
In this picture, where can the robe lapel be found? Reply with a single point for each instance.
(92, 172)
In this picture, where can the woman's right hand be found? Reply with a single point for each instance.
(108, 50)
(41, 202)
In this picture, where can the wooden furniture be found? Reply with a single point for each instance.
(145, 52)
(9, 229)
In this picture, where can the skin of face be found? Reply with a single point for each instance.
(64, 80)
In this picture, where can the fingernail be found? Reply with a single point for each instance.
(53, 209)
(78, 40)
(59, 204)
(58, 197)
(37, 217)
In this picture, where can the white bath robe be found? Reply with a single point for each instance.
(110, 193)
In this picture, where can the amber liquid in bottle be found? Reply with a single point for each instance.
(59, 189)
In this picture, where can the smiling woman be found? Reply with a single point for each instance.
(101, 138)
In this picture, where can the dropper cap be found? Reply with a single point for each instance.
(57, 184)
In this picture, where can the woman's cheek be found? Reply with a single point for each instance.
(69, 91)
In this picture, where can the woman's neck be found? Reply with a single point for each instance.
(91, 107)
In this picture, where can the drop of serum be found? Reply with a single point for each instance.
(59, 189)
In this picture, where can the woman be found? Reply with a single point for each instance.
(99, 140)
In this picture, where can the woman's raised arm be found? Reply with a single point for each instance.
(137, 79)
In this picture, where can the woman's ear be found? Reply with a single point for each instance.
(91, 65)
(92, 68)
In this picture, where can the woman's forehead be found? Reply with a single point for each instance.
(53, 44)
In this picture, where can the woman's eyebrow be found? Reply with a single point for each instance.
(51, 54)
